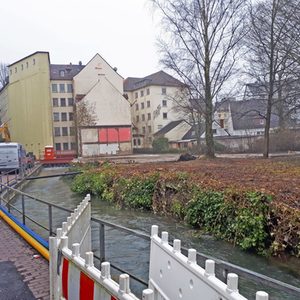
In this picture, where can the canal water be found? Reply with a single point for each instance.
(132, 253)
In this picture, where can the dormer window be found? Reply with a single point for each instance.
(62, 73)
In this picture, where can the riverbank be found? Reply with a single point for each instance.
(241, 201)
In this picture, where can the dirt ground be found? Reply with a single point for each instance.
(278, 176)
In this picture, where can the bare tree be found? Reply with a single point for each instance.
(201, 45)
(84, 116)
(3, 74)
(272, 41)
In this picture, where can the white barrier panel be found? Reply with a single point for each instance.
(174, 276)
(73, 277)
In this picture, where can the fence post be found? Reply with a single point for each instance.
(23, 209)
(53, 251)
(50, 219)
(102, 243)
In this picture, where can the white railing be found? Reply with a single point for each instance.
(72, 274)
(172, 275)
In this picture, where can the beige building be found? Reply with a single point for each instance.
(40, 104)
(62, 102)
(152, 107)
(29, 106)
(100, 87)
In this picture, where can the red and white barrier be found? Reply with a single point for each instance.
(172, 276)
(73, 277)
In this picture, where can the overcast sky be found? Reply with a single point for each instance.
(122, 31)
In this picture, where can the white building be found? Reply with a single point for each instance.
(152, 107)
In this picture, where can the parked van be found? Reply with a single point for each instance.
(12, 156)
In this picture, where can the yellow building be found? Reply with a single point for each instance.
(29, 105)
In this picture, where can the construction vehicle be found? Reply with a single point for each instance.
(5, 132)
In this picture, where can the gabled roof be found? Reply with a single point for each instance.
(168, 127)
(69, 71)
(191, 134)
(248, 114)
(160, 78)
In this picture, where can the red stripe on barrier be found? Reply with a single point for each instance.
(113, 298)
(86, 287)
(65, 273)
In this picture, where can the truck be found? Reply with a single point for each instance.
(12, 157)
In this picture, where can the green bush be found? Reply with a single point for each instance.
(160, 144)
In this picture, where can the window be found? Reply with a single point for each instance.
(63, 102)
(65, 146)
(214, 131)
(56, 117)
(56, 131)
(139, 142)
(73, 146)
(144, 129)
(163, 91)
(10, 71)
(149, 116)
(61, 87)
(69, 88)
(142, 105)
(148, 91)
(62, 73)
(54, 88)
(165, 115)
(148, 103)
(149, 129)
(57, 146)
(164, 103)
(33, 61)
(64, 116)
(137, 118)
(143, 117)
(222, 123)
(142, 93)
(136, 107)
(27, 64)
(71, 116)
(55, 102)
(64, 131)
(22, 67)
(136, 95)
(72, 131)
(16, 70)
(70, 101)
(134, 142)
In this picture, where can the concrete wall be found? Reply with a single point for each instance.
(29, 108)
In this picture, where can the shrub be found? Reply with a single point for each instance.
(160, 144)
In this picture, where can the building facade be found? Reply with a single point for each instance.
(40, 100)
(151, 103)
(29, 105)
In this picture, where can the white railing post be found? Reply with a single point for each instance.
(53, 251)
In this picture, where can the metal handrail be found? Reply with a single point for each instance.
(225, 266)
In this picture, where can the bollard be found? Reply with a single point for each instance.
(148, 295)
(105, 270)
(209, 268)
(261, 295)
(232, 283)
(177, 246)
(192, 256)
(124, 284)
(164, 237)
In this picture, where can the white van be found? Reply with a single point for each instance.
(12, 156)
